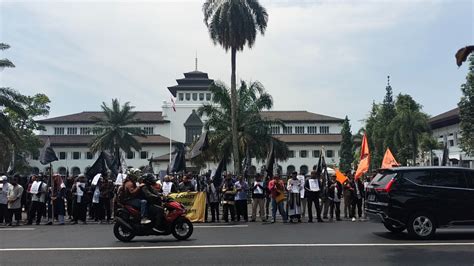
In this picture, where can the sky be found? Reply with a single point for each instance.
(326, 57)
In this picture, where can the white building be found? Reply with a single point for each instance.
(307, 134)
(445, 128)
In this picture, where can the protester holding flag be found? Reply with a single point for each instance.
(106, 194)
(312, 189)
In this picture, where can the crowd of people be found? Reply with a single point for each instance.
(52, 199)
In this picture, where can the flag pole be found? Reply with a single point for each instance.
(170, 145)
(52, 190)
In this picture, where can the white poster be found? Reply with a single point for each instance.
(313, 185)
(35, 187)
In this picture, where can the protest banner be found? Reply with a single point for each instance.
(194, 202)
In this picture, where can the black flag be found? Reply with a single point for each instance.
(178, 160)
(103, 163)
(270, 161)
(201, 145)
(445, 160)
(217, 176)
(47, 154)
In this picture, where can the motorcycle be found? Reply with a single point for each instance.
(128, 222)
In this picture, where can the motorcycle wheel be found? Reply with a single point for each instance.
(122, 233)
(182, 229)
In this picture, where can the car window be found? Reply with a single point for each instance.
(419, 177)
(448, 178)
(382, 179)
(470, 179)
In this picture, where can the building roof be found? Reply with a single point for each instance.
(192, 81)
(85, 140)
(299, 116)
(88, 118)
(448, 118)
(313, 139)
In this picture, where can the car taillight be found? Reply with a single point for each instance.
(387, 187)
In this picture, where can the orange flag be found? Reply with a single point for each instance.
(364, 158)
(389, 160)
(340, 176)
(364, 148)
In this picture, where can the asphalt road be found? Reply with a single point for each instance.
(341, 243)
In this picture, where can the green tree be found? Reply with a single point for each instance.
(371, 126)
(410, 123)
(428, 143)
(233, 25)
(466, 111)
(252, 130)
(346, 154)
(5, 62)
(116, 133)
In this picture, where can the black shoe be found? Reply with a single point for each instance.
(325, 217)
(339, 219)
(320, 221)
(310, 221)
(37, 223)
(49, 223)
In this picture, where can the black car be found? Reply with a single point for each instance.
(421, 199)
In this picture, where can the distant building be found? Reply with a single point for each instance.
(445, 128)
(307, 134)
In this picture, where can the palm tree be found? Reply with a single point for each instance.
(5, 62)
(233, 24)
(409, 125)
(116, 132)
(252, 130)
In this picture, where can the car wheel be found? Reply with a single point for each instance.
(421, 226)
(394, 228)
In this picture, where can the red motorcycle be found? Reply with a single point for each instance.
(128, 222)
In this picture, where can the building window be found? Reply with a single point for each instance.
(188, 96)
(303, 154)
(195, 96)
(62, 155)
(89, 155)
(291, 154)
(208, 96)
(451, 143)
(181, 96)
(287, 130)
(299, 130)
(72, 131)
(143, 155)
(97, 130)
(323, 130)
(275, 130)
(59, 131)
(148, 130)
(312, 130)
(201, 96)
(85, 131)
(76, 155)
(329, 153)
(130, 155)
(316, 153)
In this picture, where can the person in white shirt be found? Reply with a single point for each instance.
(15, 191)
(4, 186)
(168, 186)
(294, 199)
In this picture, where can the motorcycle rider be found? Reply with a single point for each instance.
(153, 197)
(132, 194)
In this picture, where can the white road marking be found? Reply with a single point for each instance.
(347, 245)
(18, 229)
(221, 226)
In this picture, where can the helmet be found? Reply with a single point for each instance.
(134, 173)
(149, 179)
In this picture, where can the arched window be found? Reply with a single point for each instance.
(75, 171)
(303, 170)
(290, 169)
(62, 171)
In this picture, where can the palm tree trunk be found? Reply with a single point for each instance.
(233, 100)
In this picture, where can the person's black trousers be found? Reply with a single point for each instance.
(214, 211)
(79, 211)
(356, 203)
(241, 208)
(4, 213)
(17, 213)
(37, 210)
(226, 208)
(335, 207)
(105, 209)
(315, 201)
